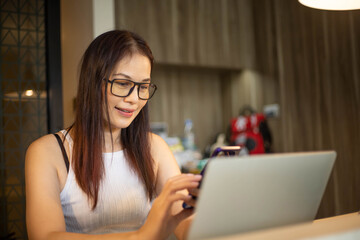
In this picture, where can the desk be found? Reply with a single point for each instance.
(348, 223)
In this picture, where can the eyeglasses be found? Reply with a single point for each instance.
(124, 87)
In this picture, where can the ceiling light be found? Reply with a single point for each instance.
(332, 4)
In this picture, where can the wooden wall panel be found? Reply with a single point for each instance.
(201, 33)
(315, 59)
(188, 93)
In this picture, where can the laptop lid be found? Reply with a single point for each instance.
(240, 194)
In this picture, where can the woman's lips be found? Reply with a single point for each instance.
(125, 112)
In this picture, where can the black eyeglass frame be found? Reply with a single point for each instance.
(132, 89)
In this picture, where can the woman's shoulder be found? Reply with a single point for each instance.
(157, 142)
(160, 150)
(43, 143)
(42, 149)
(48, 142)
(44, 166)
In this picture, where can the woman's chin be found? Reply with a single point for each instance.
(122, 124)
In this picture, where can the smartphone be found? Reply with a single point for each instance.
(220, 151)
(227, 150)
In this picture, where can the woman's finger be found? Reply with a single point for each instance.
(191, 201)
(179, 196)
(166, 201)
(184, 177)
(194, 191)
(182, 182)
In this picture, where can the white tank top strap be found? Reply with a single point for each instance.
(67, 137)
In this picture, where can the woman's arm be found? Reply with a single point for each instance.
(43, 207)
(167, 168)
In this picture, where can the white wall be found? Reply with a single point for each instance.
(103, 16)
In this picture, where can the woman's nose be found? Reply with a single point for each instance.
(133, 96)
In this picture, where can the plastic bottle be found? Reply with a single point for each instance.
(189, 136)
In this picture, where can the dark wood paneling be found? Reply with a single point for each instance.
(201, 33)
(316, 62)
(188, 93)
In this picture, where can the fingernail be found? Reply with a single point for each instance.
(198, 176)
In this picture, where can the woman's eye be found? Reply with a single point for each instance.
(123, 84)
(144, 87)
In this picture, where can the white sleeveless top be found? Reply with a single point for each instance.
(122, 205)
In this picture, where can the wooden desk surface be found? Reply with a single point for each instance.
(317, 228)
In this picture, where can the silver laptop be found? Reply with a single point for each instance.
(241, 194)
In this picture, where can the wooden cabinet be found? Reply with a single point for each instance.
(209, 33)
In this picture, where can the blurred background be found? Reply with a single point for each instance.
(219, 64)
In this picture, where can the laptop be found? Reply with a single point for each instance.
(242, 194)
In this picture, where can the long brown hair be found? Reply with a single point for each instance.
(98, 63)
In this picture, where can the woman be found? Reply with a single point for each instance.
(101, 174)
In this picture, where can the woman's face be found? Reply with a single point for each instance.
(123, 110)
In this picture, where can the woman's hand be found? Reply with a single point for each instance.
(161, 221)
(194, 192)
